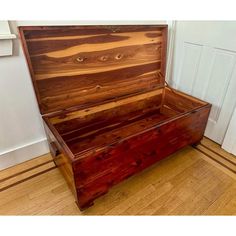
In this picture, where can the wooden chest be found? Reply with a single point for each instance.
(102, 95)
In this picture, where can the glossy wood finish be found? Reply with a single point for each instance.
(113, 144)
(87, 65)
(107, 112)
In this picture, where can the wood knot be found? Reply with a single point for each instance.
(98, 86)
(118, 56)
(80, 59)
(158, 49)
(104, 58)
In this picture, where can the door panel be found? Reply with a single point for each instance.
(205, 66)
(189, 66)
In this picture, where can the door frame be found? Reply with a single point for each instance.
(229, 143)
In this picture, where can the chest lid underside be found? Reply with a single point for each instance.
(83, 66)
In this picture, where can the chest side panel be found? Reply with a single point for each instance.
(60, 158)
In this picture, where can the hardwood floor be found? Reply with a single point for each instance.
(191, 182)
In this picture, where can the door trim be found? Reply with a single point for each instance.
(229, 143)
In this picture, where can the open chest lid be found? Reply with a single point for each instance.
(83, 66)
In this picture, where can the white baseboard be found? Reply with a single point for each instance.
(23, 153)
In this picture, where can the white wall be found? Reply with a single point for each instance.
(21, 132)
(22, 135)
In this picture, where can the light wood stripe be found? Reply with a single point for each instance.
(61, 38)
(89, 71)
(133, 39)
(91, 110)
(87, 95)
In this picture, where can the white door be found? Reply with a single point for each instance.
(204, 65)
